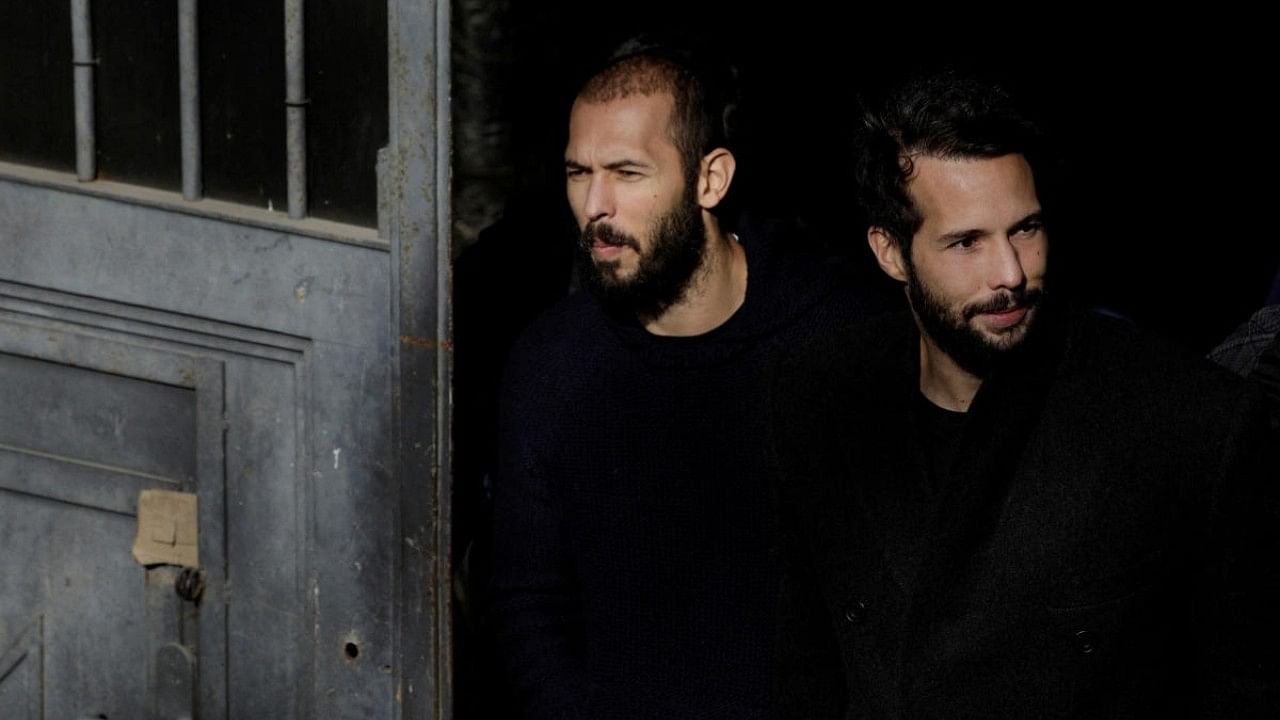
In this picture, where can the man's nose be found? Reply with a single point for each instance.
(599, 202)
(1005, 266)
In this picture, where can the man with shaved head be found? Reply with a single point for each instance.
(636, 571)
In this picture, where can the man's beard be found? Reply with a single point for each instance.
(662, 275)
(974, 350)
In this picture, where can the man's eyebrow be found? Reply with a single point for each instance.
(625, 163)
(958, 235)
(615, 165)
(1035, 218)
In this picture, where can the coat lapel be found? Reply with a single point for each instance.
(999, 425)
(889, 473)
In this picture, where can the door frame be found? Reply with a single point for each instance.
(418, 164)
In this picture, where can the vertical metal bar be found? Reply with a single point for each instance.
(444, 362)
(189, 97)
(295, 107)
(418, 199)
(382, 168)
(82, 60)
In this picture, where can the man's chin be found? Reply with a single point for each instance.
(612, 275)
(1004, 340)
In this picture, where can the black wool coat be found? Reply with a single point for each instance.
(1107, 546)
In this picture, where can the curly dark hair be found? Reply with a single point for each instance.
(942, 115)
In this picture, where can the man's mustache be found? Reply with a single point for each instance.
(1003, 301)
(607, 235)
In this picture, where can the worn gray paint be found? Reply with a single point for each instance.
(293, 375)
(85, 64)
(189, 97)
(418, 228)
(287, 338)
(106, 416)
(118, 421)
(21, 672)
(295, 107)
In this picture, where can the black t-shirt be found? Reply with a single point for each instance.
(907, 518)
(939, 433)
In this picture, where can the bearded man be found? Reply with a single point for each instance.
(636, 568)
(1000, 507)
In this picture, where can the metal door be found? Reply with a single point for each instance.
(289, 373)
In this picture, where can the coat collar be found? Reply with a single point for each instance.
(891, 472)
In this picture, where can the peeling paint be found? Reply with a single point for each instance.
(424, 342)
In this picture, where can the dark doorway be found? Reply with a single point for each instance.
(1158, 132)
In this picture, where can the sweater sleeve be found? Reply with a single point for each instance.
(535, 608)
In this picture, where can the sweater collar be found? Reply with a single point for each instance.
(781, 285)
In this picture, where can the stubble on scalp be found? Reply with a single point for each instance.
(647, 76)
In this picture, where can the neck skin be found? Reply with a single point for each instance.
(942, 381)
(716, 290)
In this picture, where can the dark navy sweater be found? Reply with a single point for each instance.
(636, 571)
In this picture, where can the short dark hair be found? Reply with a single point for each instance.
(705, 93)
(945, 114)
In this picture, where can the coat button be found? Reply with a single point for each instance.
(1086, 642)
(855, 612)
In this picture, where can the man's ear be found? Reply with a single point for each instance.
(715, 175)
(888, 253)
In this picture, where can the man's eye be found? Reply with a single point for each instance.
(1029, 230)
(628, 174)
(964, 243)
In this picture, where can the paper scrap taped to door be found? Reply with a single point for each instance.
(168, 529)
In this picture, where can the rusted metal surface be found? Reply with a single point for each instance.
(419, 185)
